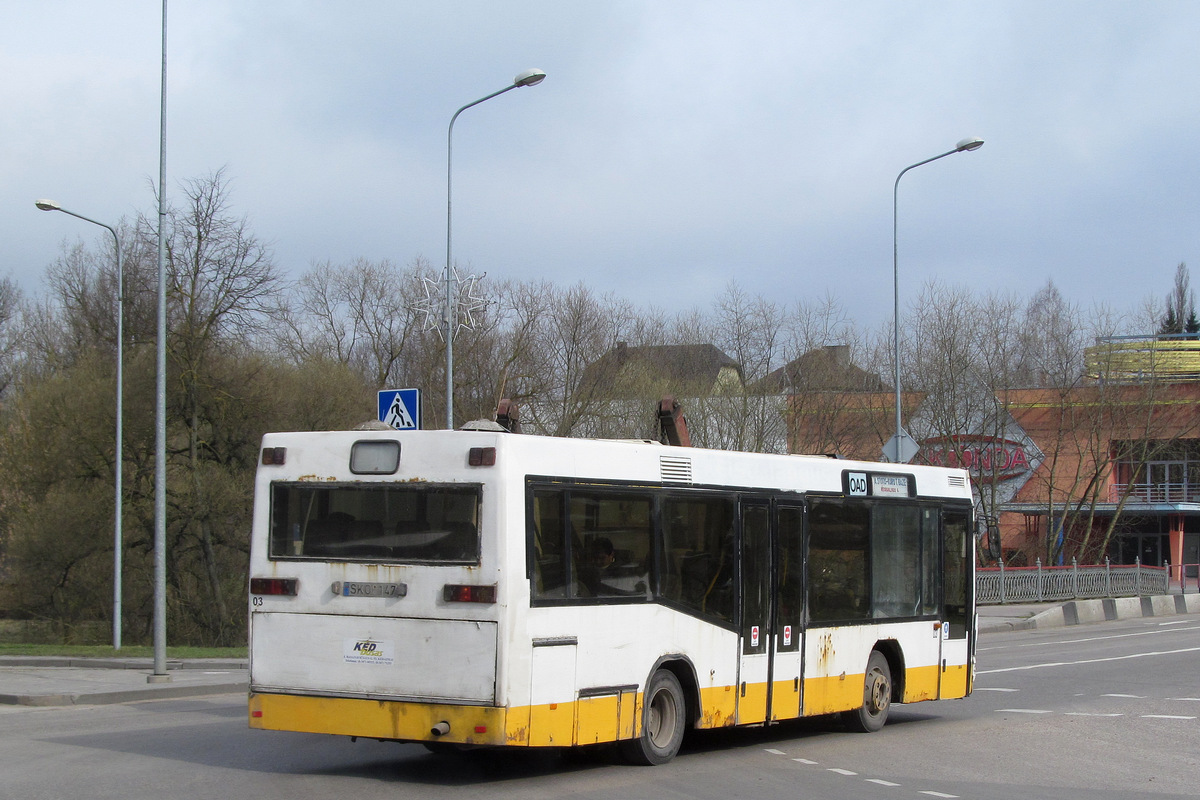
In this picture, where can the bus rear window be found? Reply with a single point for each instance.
(375, 522)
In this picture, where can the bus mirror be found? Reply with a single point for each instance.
(993, 540)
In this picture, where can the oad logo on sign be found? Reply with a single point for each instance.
(400, 409)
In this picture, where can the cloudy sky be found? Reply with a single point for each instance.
(674, 146)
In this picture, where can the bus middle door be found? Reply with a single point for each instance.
(770, 682)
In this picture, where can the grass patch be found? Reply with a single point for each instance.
(106, 651)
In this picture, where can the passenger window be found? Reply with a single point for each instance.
(837, 559)
(697, 557)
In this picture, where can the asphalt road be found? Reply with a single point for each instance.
(1101, 712)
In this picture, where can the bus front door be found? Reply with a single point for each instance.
(770, 684)
(958, 606)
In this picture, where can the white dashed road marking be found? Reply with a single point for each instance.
(852, 774)
(1164, 716)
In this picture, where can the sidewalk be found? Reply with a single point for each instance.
(55, 681)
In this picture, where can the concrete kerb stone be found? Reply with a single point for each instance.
(1160, 605)
(1122, 607)
(1082, 612)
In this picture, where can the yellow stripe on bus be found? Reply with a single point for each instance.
(589, 720)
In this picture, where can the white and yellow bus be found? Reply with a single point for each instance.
(484, 588)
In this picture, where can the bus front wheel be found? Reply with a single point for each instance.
(877, 696)
(663, 720)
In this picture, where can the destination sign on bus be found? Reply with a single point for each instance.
(875, 484)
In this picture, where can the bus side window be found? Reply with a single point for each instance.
(839, 537)
(697, 555)
(549, 567)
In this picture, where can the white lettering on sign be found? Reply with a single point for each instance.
(893, 485)
(368, 651)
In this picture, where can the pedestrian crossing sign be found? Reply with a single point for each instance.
(400, 408)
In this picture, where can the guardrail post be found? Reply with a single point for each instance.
(1003, 594)
(1137, 576)
(1107, 578)
(1074, 577)
(1041, 589)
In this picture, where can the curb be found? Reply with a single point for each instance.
(1084, 612)
(158, 692)
(84, 662)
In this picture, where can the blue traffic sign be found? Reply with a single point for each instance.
(400, 408)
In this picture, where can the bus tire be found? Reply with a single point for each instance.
(877, 697)
(664, 717)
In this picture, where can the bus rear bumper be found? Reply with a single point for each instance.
(383, 719)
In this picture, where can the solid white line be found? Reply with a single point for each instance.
(1089, 661)
(1164, 716)
(1024, 710)
(1176, 622)
(881, 783)
(1082, 641)
(841, 771)
(991, 689)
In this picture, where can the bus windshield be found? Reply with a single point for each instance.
(422, 523)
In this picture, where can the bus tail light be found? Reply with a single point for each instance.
(278, 586)
(482, 457)
(465, 593)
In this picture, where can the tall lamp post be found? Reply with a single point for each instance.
(530, 77)
(118, 539)
(902, 448)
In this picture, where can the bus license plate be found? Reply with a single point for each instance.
(363, 589)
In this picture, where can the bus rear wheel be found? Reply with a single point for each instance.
(663, 720)
(877, 697)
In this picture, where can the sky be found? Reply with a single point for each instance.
(674, 146)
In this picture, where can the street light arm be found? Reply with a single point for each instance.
(964, 146)
(530, 77)
(449, 310)
(50, 205)
(118, 457)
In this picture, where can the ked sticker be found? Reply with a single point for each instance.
(367, 651)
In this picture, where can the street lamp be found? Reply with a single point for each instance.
(530, 77)
(902, 448)
(118, 540)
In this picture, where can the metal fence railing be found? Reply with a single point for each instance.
(1038, 583)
